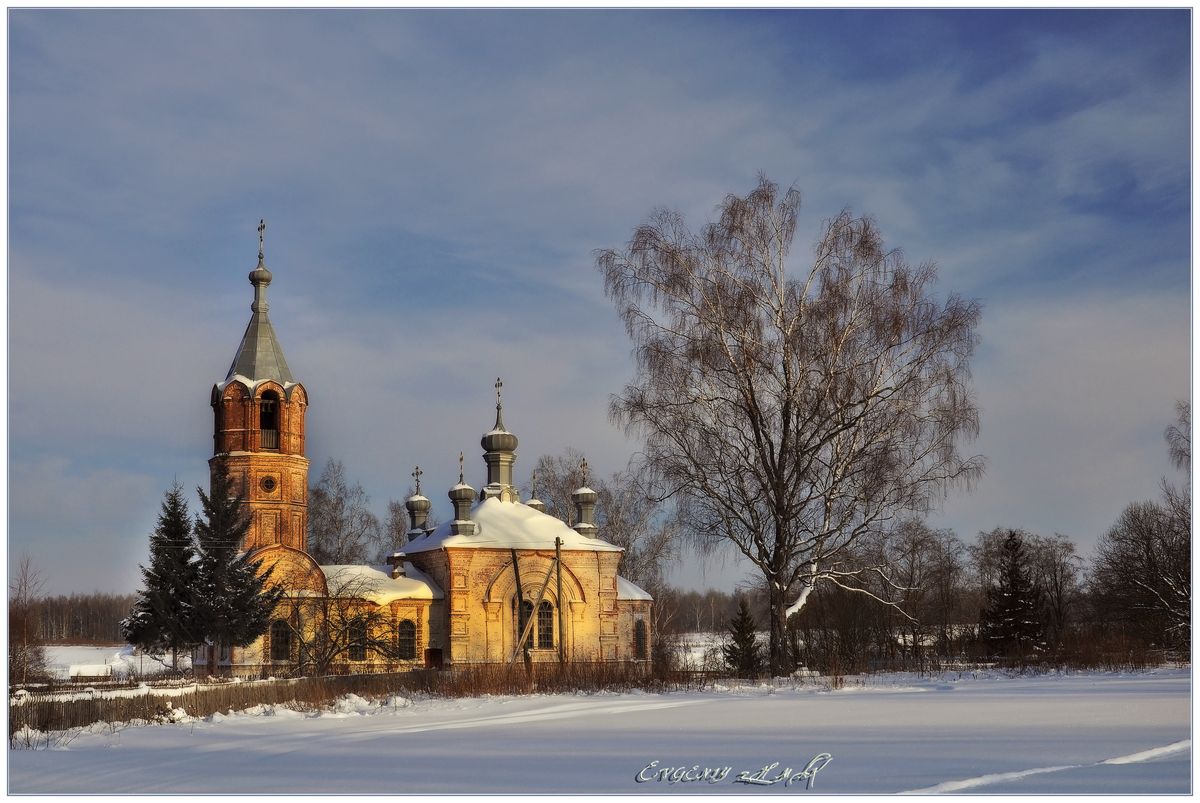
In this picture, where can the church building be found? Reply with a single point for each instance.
(500, 582)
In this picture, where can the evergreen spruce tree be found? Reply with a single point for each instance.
(162, 615)
(1011, 623)
(741, 650)
(234, 602)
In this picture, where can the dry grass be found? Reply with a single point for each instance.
(48, 713)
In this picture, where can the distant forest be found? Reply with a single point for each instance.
(82, 618)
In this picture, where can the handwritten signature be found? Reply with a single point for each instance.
(767, 776)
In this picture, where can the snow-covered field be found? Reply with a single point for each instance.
(1080, 733)
(120, 658)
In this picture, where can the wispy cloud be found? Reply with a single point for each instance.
(435, 184)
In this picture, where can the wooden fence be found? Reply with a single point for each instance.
(65, 710)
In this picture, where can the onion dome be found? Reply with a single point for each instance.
(499, 439)
(418, 503)
(418, 508)
(585, 506)
(584, 494)
(461, 496)
(462, 491)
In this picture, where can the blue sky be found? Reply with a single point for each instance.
(435, 184)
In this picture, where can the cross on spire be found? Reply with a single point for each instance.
(460, 468)
(416, 475)
(262, 226)
(583, 468)
(499, 408)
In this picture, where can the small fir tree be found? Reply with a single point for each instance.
(1011, 623)
(163, 613)
(234, 602)
(741, 650)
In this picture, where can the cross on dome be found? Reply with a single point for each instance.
(416, 475)
(262, 226)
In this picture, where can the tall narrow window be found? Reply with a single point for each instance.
(358, 640)
(639, 640)
(406, 640)
(281, 641)
(522, 620)
(545, 625)
(268, 420)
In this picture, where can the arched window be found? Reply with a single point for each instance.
(639, 640)
(406, 640)
(522, 620)
(281, 641)
(545, 625)
(358, 640)
(268, 419)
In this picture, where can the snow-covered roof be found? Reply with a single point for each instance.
(505, 525)
(627, 590)
(377, 584)
(251, 384)
(90, 670)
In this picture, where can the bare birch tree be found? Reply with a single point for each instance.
(341, 626)
(1142, 570)
(341, 527)
(557, 477)
(792, 414)
(26, 653)
(629, 513)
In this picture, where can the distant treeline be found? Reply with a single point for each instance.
(82, 618)
(1010, 596)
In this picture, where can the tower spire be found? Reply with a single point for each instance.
(259, 355)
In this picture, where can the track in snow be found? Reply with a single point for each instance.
(987, 780)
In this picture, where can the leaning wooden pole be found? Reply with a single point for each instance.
(520, 645)
(533, 616)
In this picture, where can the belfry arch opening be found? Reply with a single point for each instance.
(268, 419)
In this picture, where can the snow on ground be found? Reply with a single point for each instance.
(982, 732)
(121, 657)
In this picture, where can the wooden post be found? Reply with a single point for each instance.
(520, 645)
(558, 595)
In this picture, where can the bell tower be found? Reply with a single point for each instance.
(258, 429)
